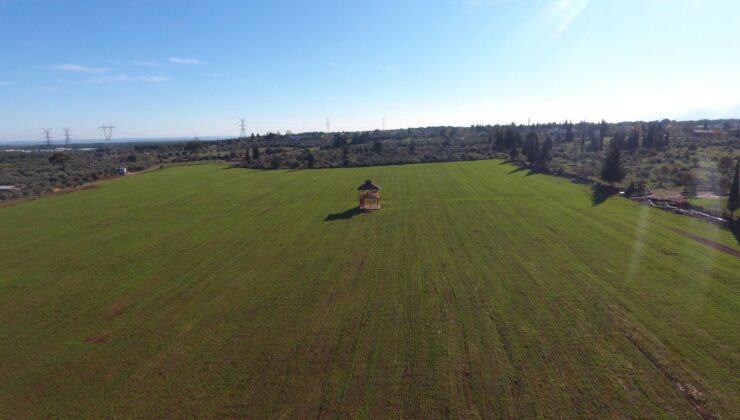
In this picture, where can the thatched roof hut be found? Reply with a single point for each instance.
(368, 185)
(369, 196)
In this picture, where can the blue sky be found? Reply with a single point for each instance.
(186, 68)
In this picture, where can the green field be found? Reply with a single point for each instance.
(477, 291)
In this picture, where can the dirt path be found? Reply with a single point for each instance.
(719, 247)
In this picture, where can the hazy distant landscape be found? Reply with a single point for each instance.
(690, 161)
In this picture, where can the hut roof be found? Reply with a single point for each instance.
(368, 185)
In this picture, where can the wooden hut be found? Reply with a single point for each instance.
(369, 196)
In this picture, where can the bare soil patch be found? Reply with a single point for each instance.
(95, 339)
(719, 247)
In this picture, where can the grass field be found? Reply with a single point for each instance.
(477, 291)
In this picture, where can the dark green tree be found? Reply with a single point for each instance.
(59, 159)
(194, 146)
(247, 157)
(377, 146)
(509, 137)
(513, 152)
(603, 130)
(545, 155)
(532, 147)
(499, 139)
(689, 184)
(568, 132)
(633, 142)
(733, 201)
(311, 160)
(255, 153)
(412, 147)
(340, 140)
(612, 171)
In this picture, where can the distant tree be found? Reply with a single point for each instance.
(255, 153)
(513, 152)
(247, 157)
(545, 154)
(737, 133)
(594, 145)
(724, 164)
(654, 136)
(310, 159)
(412, 147)
(377, 146)
(603, 130)
(633, 142)
(689, 184)
(733, 201)
(532, 147)
(59, 159)
(568, 132)
(612, 171)
(636, 190)
(509, 137)
(194, 146)
(499, 139)
(340, 140)
(274, 163)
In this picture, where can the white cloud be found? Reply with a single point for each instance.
(104, 80)
(145, 63)
(184, 60)
(78, 68)
(122, 78)
(154, 79)
(4, 83)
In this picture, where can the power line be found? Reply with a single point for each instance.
(47, 136)
(108, 134)
(243, 125)
(66, 137)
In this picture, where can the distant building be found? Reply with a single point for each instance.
(122, 171)
(703, 133)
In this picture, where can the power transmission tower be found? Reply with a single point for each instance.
(47, 137)
(383, 124)
(243, 125)
(66, 137)
(328, 124)
(108, 134)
